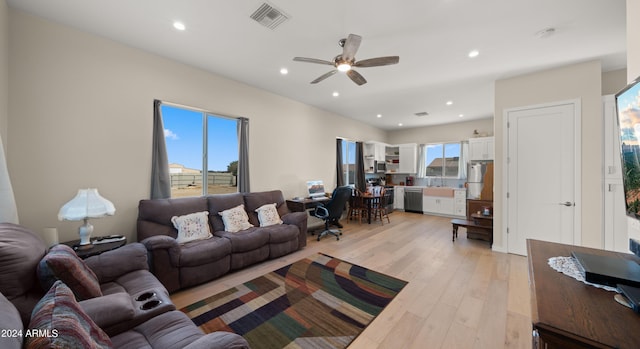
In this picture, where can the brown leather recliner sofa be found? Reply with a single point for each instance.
(117, 318)
(179, 266)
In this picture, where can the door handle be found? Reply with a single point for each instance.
(567, 203)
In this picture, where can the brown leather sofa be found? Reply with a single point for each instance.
(179, 266)
(119, 312)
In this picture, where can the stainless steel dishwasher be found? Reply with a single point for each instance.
(413, 199)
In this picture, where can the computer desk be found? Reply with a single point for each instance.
(304, 204)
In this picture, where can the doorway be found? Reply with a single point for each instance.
(542, 167)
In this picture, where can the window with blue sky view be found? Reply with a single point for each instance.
(442, 159)
(187, 131)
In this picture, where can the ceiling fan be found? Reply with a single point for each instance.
(346, 61)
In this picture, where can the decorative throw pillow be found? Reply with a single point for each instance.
(268, 215)
(193, 226)
(57, 321)
(65, 265)
(235, 219)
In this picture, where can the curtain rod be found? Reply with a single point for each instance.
(178, 105)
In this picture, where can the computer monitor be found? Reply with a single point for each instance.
(628, 110)
(315, 189)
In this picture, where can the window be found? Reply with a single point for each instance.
(349, 162)
(201, 148)
(443, 160)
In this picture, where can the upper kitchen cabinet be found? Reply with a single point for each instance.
(401, 158)
(408, 158)
(373, 152)
(481, 148)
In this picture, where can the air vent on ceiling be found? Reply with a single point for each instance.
(422, 113)
(269, 16)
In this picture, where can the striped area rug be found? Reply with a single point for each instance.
(316, 302)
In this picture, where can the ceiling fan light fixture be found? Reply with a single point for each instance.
(344, 67)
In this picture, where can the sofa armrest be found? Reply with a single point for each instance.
(109, 310)
(219, 340)
(110, 265)
(163, 242)
(298, 219)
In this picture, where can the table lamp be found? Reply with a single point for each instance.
(87, 204)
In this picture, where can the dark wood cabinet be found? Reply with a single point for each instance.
(567, 313)
(473, 207)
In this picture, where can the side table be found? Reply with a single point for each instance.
(94, 249)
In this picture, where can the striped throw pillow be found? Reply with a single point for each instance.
(63, 263)
(57, 321)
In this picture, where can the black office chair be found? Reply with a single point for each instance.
(331, 211)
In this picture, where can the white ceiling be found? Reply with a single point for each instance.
(432, 38)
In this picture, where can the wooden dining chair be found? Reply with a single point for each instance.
(357, 208)
(379, 206)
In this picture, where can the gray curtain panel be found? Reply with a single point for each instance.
(360, 182)
(243, 155)
(160, 179)
(339, 169)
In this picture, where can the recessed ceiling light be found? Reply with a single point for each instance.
(461, 115)
(400, 124)
(379, 115)
(449, 102)
(474, 53)
(179, 25)
(284, 71)
(336, 94)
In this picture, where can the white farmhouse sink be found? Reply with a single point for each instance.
(438, 191)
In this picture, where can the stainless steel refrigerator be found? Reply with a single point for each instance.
(475, 178)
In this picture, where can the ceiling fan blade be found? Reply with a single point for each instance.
(324, 76)
(376, 62)
(356, 77)
(351, 47)
(312, 60)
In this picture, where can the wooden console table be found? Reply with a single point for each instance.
(567, 313)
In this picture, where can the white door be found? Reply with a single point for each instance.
(542, 181)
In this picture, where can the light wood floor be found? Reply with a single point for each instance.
(460, 295)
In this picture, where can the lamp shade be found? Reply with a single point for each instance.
(87, 204)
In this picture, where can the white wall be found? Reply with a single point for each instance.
(633, 40)
(441, 133)
(81, 116)
(579, 81)
(613, 81)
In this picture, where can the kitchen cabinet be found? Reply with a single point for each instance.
(481, 148)
(373, 152)
(408, 153)
(398, 200)
(437, 205)
(613, 209)
(460, 202)
(392, 158)
(401, 158)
